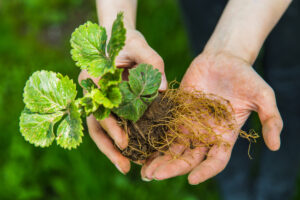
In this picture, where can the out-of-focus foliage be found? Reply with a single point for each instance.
(34, 35)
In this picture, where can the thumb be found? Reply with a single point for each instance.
(271, 120)
(271, 132)
(145, 54)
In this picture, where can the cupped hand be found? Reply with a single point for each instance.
(107, 132)
(235, 80)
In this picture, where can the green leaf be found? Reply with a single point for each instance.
(138, 92)
(144, 80)
(69, 132)
(114, 95)
(88, 84)
(89, 104)
(118, 37)
(101, 113)
(89, 43)
(48, 96)
(110, 79)
(110, 98)
(38, 128)
(48, 92)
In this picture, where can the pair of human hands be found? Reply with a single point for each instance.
(220, 73)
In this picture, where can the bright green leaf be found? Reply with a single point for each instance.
(89, 44)
(138, 92)
(110, 98)
(69, 132)
(110, 79)
(48, 92)
(38, 128)
(89, 104)
(118, 37)
(114, 95)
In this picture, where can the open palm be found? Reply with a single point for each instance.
(235, 80)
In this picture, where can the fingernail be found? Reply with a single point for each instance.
(145, 179)
(121, 148)
(119, 168)
(163, 84)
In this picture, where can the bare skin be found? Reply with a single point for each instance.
(224, 68)
(235, 80)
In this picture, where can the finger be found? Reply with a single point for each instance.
(84, 75)
(149, 168)
(146, 163)
(181, 165)
(106, 146)
(113, 129)
(145, 54)
(215, 162)
(270, 119)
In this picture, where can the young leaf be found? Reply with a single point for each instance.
(110, 98)
(38, 128)
(89, 44)
(114, 95)
(48, 92)
(69, 131)
(138, 92)
(110, 79)
(88, 104)
(118, 37)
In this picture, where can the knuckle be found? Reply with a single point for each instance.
(136, 41)
(159, 62)
(156, 61)
(268, 93)
(280, 124)
(271, 92)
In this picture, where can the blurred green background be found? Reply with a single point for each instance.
(34, 35)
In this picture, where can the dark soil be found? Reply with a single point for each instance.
(144, 130)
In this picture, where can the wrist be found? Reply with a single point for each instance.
(108, 21)
(108, 9)
(234, 46)
(244, 26)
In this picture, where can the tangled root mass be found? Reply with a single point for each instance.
(192, 119)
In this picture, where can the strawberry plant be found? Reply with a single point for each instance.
(52, 111)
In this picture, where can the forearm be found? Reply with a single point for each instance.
(108, 9)
(244, 26)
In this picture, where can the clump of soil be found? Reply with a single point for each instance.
(176, 116)
(147, 129)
